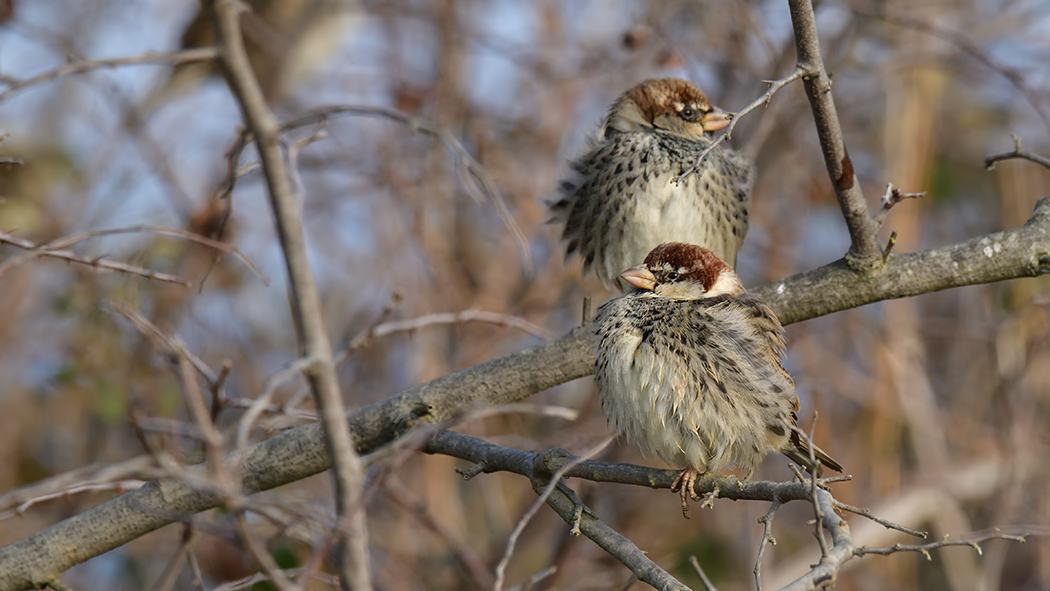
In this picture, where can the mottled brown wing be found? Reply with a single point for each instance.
(771, 333)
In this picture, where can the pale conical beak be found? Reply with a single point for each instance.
(715, 120)
(639, 277)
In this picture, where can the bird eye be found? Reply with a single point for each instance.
(672, 276)
(690, 114)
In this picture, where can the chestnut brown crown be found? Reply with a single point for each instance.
(669, 104)
(684, 272)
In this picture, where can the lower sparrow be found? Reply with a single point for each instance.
(690, 367)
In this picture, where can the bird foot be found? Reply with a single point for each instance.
(709, 499)
(577, 517)
(684, 484)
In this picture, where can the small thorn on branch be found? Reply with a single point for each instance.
(472, 471)
(889, 246)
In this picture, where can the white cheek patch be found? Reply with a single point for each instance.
(727, 283)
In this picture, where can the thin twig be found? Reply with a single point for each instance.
(476, 180)
(118, 486)
(964, 41)
(1017, 152)
(814, 470)
(14, 502)
(15, 85)
(262, 556)
(259, 405)
(520, 527)
(883, 522)
(252, 580)
(924, 549)
(767, 537)
(774, 86)
(162, 341)
(364, 338)
(220, 475)
(703, 576)
(58, 245)
(465, 553)
(66, 255)
(217, 395)
(891, 197)
(170, 576)
(442, 318)
(529, 584)
(292, 150)
(199, 412)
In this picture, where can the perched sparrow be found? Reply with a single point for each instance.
(689, 366)
(624, 198)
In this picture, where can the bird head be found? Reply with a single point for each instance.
(670, 104)
(684, 272)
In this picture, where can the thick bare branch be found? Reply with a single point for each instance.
(864, 252)
(1023, 252)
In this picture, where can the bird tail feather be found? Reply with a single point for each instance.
(798, 452)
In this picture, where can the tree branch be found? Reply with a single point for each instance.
(1023, 252)
(864, 252)
(495, 458)
(774, 86)
(1017, 152)
(101, 263)
(348, 473)
(478, 183)
(300, 452)
(57, 249)
(16, 85)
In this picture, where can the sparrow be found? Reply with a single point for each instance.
(624, 196)
(690, 366)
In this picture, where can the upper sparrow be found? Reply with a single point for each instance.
(689, 366)
(624, 199)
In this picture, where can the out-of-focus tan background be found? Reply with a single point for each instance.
(937, 405)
